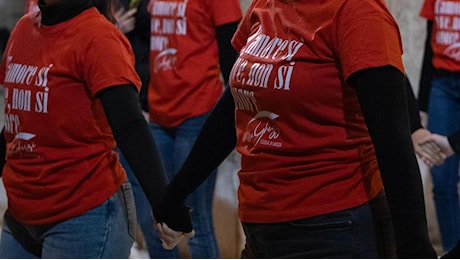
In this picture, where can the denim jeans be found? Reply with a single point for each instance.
(143, 208)
(175, 144)
(345, 234)
(106, 231)
(444, 119)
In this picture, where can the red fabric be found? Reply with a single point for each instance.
(445, 37)
(60, 158)
(184, 59)
(305, 147)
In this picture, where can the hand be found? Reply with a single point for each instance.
(442, 142)
(125, 19)
(177, 217)
(430, 153)
(171, 238)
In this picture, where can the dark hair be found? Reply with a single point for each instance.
(4, 35)
(105, 7)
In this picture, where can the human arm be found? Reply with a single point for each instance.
(450, 145)
(2, 151)
(216, 141)
(382, 96)
(227, 54)
(426, 75)
(126, 20)
(123, 112)
(429, 152)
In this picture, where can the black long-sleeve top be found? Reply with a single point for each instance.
(382, 94)
(426, 77)
(122, 108)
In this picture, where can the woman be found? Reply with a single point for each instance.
(317, 108)
(70, 95)
(439, 96)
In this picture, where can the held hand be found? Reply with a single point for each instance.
(428, 152)
(177, 217)
(442, 142)
(431, 154)
(125, 19)
(171, 238)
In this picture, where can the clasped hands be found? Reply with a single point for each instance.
(432, 149)
(171, 238)
(173, 222)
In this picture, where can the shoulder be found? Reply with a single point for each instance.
(91, 25)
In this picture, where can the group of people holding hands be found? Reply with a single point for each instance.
(316, 101)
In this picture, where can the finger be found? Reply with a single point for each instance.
(189, 234)
(435, 158)
(169, 242)
(432, 146)
(168, 234)
(131, 12)
(432, 150)
(119, 13)
(170, 231)
(427, 162)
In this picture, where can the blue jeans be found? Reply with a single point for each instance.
(345, 234)
(106, 231)
(175, 144)
(444, 119)
(143, 208)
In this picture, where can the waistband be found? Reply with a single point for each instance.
(446, 74)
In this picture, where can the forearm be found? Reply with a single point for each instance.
(382, 96)
(413, 108)
(122, 108)
(227, 54)
(215, 142)
(427, 72)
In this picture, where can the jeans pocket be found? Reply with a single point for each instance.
(130, 207)
(337, 220)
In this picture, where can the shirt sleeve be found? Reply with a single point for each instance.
(109, 61)
(368, 38)
(427, 10)
(224, 12)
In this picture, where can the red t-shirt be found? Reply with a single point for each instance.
(305, 146)
(184, 58)
(445, 37)
(60, 158)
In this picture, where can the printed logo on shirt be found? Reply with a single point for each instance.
(269, 50)
(168, 18)
(22, 146)
(265, 62)
(27, 92)
(447, 20)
